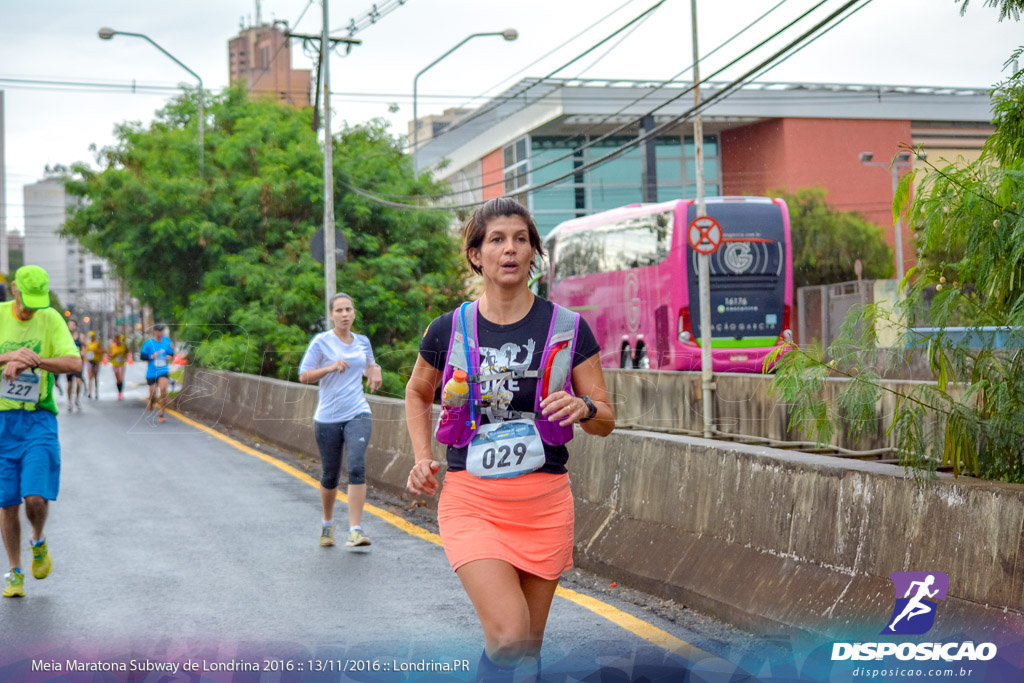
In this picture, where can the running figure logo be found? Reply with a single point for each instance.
(914, 612)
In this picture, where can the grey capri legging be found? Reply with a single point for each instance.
(354, 435)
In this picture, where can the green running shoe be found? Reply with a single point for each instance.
(42, 563)
(356, 537)
(14, 584)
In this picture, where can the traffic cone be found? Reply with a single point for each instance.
(105, 359)
(130, 358)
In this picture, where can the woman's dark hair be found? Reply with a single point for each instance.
(475, 229)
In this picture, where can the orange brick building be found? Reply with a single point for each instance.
(261, 56)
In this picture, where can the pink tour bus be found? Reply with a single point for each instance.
(632, 275)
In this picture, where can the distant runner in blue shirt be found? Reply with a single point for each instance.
(159, 352)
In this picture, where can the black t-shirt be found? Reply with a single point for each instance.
(518, 345)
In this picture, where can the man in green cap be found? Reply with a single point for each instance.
(35, 345)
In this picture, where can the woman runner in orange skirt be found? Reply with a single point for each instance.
(519, 372)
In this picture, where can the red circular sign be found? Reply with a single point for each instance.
(704, 235)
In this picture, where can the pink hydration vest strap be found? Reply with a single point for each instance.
(455, 428)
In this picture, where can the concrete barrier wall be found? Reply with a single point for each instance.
(767, 539)
(743, 405)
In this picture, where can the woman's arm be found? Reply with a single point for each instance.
(587, 380)
(419, 397)
(314, 376)
(374, 376)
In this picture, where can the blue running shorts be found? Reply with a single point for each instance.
(29, 456)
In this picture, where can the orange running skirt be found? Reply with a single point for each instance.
(526, 521)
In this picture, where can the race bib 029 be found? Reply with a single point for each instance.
(505, 449)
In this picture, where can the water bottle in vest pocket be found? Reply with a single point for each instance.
(456, 390)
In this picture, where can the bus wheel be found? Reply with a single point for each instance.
(626, 358)
(642, 362)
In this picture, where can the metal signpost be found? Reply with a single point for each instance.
(705, 237)
(707, 384)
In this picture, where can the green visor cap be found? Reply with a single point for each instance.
(34, 286)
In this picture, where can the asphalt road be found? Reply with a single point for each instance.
(171, 546)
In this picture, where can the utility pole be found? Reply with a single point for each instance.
(4, 254)
(703, 269)
(330, 275)
(324, 78)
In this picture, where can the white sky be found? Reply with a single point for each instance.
(905, 42)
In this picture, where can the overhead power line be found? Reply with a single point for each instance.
(617, 43)
(372, 16)
(501, 100)
(633, 121)
(58, 84)
(609, 96)
(762, 67)
(822, 33)
(280, 47)
(665, 83)
(545, 55)
(684, 92)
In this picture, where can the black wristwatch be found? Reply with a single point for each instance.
(591, 407)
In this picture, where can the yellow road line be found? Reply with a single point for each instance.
(634, 625)
(388, 517)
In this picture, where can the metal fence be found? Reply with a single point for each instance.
(822, 309)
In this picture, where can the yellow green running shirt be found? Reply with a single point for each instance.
(47, 334)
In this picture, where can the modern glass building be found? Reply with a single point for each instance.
(763, 136)
(610, 185)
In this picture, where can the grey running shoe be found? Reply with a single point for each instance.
(327, 535)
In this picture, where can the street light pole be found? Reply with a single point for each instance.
(107, 33)
(901, 162)
(894, 175)
(507, 34)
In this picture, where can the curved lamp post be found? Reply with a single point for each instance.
(507, 34)
(900, 163)
(106, 33)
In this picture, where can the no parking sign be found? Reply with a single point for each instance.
(704, 235)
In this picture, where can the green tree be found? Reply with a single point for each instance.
(972, 420)
(826, 241)
(1007, 8)
(227, 257)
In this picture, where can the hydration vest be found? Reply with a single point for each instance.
(458, 424)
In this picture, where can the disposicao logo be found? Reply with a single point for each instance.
(913, 614)
(916, 595)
